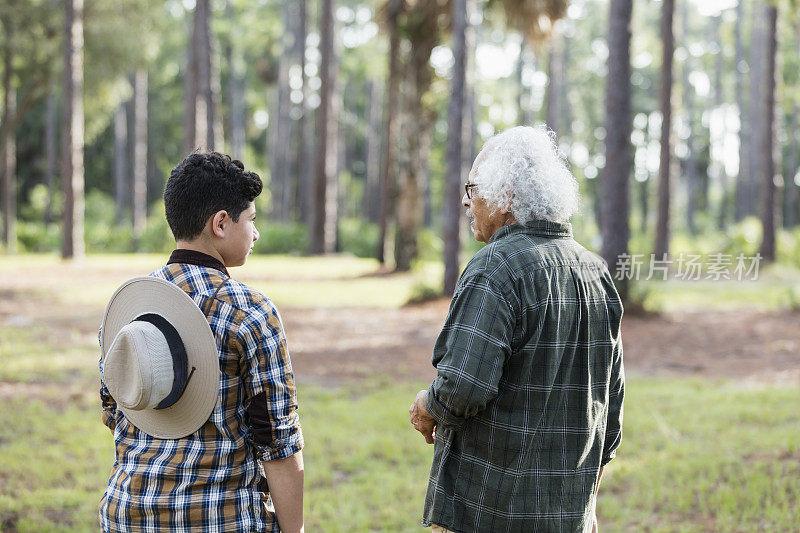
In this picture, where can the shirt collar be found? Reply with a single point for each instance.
(539, 228)
(193, 257)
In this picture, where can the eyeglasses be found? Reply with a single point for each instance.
(468, 187)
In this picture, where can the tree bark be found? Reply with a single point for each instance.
(121, 182)
(235, 61)
(756, 115)
(555, 75)
(72, 138)
(190, 89)
(50, 149)
(416, 140)
(722, 218)
(768, 206)
(204, 108)
(523, 93)
(688, 104)
(615, 205)
(662, 221)
(387, 182)
(8, 194)
(790, 218)
(139, 152)
(373, 163)
(323, 230)
(744, 132)
(283, 137)
(451, 204)
(300, 175)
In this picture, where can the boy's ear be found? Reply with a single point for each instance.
(219, 222)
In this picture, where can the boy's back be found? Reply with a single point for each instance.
(213, 478)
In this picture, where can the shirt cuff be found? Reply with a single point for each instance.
(281, 449)
(440, 413)
(607, 459)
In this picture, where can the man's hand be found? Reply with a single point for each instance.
(422, 421)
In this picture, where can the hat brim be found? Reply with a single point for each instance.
(142, 295)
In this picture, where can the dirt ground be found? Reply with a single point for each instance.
(751, 346)
(333, 347)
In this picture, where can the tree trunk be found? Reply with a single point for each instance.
(768, 206)
(416, 142)
(522, 92)
(756, 123)
(283, 137)
(790, 217)
(323, 230)
(373, 163)
(302, 179)
(121, 182)
(190, 89)
(139, 152)
(9, 161)
(722, 218)
(236, 66)
(50, 150)
(387, 183)
(555, 75)
(744, 132)
(662, 222)
(72, 138)
(204, 120)
(616, 175)
(688, 104)
(451, 203)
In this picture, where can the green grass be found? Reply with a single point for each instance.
(776, 288)
(333, 281)
(697, 455)
(347, 281)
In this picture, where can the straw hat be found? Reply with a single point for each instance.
(159, 358)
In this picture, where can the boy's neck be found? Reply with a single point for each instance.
(198, 245)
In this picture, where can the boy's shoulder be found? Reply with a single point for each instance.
(207, 282)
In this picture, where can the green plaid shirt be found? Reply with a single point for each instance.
(528, 397)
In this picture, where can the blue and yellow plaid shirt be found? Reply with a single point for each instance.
(212, 480)
(528, 396)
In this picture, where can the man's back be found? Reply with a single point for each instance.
(211, 479)
(529, 386)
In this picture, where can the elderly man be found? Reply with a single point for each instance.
(526, 408)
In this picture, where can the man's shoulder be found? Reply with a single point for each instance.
(507, 255)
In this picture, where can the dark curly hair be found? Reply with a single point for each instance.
(203, 184)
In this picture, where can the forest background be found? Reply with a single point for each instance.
(680, 121)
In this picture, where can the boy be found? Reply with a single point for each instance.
(242, 470)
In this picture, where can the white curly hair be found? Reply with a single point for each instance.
(524, 164)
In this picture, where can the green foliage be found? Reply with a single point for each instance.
(157, 237)
(101, 231)
(430, 245)
(423, 292)
(281, 238)
(358, 237)
(743, 237)
(38, 236)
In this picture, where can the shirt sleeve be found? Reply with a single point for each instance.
(109, 414)
(470, 352)
(269, 384)
(616, 394)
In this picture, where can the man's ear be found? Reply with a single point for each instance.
(219, 223)
(505, 206)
